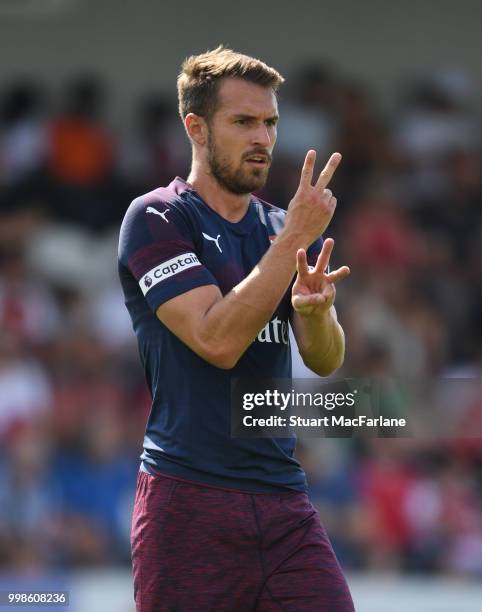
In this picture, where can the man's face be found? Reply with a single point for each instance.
(242, 134)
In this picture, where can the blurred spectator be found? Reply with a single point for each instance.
(29, 500)
(23, 134)
(378, 235)
(363, 138)
(25, 388)
(308, 121)
(437, 122)
(384, 482)
(102, 491)
(309, 117)
(152, 154)
(80, 150)
(84, 188)
(27, 307)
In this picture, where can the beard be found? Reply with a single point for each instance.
(239, 180)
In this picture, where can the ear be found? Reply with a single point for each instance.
(196, 128)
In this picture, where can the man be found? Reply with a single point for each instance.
(224, 524)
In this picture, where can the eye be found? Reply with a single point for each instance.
(241, 121)
(271, 122)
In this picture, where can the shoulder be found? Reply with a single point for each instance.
(162, 204)
(158, 200)
(159, 215)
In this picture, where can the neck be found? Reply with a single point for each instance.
(229, 205)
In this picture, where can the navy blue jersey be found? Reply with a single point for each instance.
(171, 241)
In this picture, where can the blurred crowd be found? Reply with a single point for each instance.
(73, 402)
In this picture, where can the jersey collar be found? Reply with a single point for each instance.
(244, 226)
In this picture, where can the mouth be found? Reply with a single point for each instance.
(258, 161)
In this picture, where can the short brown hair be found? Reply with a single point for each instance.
(198, 81)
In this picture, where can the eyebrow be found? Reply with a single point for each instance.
(244, 116)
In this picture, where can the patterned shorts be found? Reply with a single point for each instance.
(199, 548)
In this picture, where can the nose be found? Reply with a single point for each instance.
(262, 137)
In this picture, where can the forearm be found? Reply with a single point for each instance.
(232, 323)
(321, 341)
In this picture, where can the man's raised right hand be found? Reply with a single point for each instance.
(312, 207)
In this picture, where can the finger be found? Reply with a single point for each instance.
(307, 170)
(301, 262)
(337, 275)
(328, 171)
(314, 299)
(324, 256)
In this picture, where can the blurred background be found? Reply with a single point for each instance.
(88, 121)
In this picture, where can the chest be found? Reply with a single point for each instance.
(230, 256)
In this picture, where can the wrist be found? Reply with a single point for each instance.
(292, 239)
(316, 317)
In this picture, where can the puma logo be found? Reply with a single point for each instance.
(215, 240)
(153, 211)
